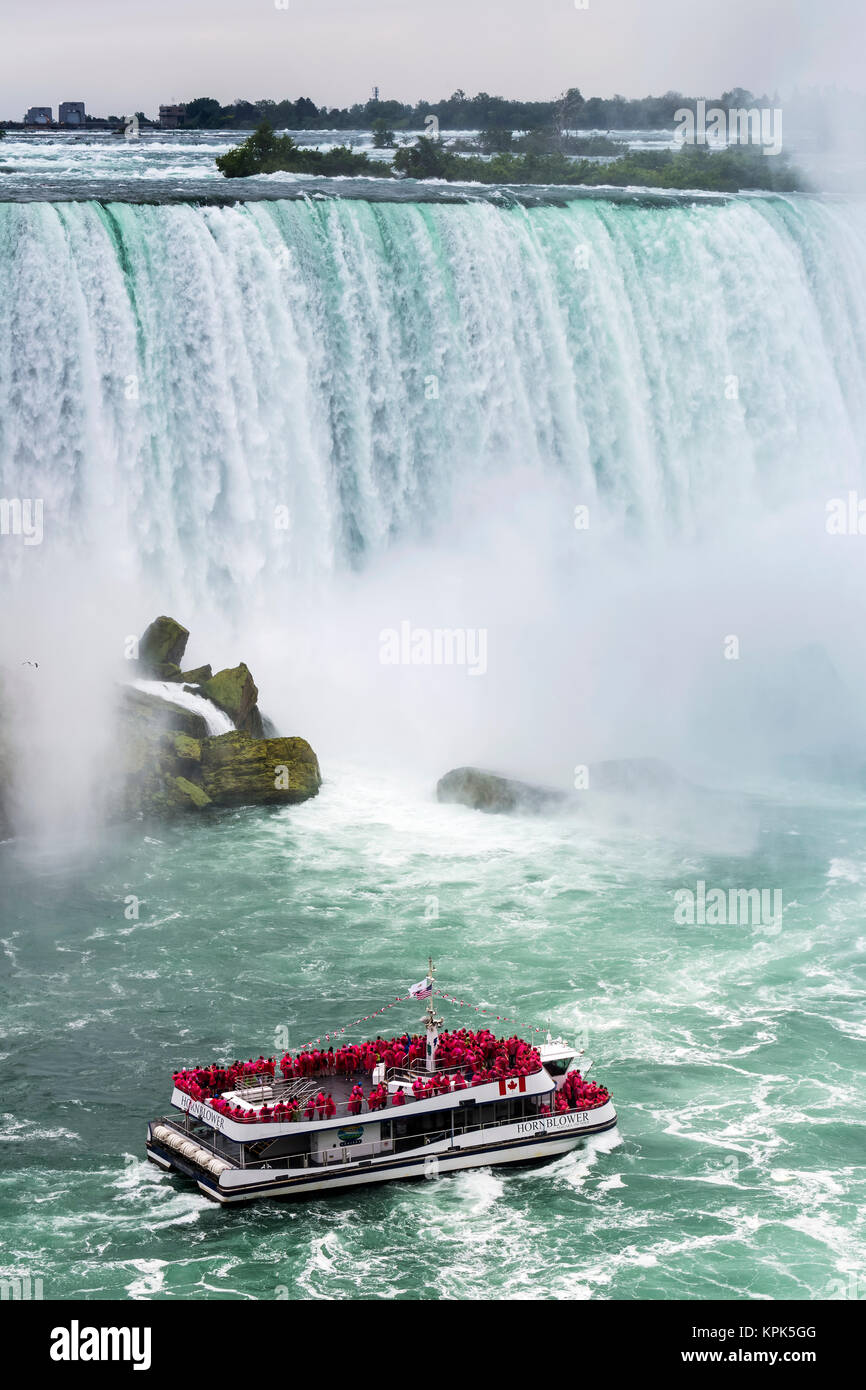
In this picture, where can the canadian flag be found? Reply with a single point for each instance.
(509, 1084)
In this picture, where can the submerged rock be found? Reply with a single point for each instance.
(488, 791)
(626, 778)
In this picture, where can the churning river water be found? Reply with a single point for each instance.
(390, 372)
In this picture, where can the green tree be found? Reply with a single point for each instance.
(263, 152)
(203, 112)
(426, 159)
(383, 138)
(495, 141)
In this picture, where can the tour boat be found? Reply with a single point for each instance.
(438, 1102)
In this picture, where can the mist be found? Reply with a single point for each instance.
(641, 571)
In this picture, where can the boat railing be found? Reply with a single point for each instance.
(275, 1088)
(343, 1112)
(305, 1089)
(420, 1070)
(344, 1109)
(393, 1144)
(463, 1068)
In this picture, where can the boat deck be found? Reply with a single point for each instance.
(301, 1088)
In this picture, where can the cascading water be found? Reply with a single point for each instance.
(311, 420)
(217, 721)
(216, 398)
(298, 423)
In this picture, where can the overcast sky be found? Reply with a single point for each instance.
(121, 55)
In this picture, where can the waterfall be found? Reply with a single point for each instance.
(221, 398)
(217, 720)
(297, 424)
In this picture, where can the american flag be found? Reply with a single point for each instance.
(422, 990)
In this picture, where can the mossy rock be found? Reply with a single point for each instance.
(301, 773)
(158, 743)
(167, 671)
(190, 795)
(201, 673)
(235, 692)
(237, 770)
(487, 791)
(187, 749)
(163, 642)
(150, 715)
(169, 765)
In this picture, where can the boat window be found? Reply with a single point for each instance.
(559, 1067)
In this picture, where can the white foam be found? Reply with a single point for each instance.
(216, 720)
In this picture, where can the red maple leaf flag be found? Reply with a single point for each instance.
(509, 1084)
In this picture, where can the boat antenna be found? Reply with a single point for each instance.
(432, 1023)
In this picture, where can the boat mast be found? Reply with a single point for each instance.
(431, 1021)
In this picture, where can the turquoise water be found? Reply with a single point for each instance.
(394, 371)
(426, 394)
(733, 1053)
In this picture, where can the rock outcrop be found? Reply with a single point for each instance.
(201, 673)
(487, 791)
(170, 763)
(235, 692)
(237, 770)
(161, 648)
(160, 652)
(617, 779)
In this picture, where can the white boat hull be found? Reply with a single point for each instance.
(545, 1140)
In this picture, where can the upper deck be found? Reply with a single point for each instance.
(320, 1091)
(254, 1126)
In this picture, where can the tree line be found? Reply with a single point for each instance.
(571, 111)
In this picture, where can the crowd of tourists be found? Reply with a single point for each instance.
(465, 1058)
(479, 1054)
(576, 1093)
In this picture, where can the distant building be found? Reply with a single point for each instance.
(39, 115)
(170, 117)
(71, 113)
